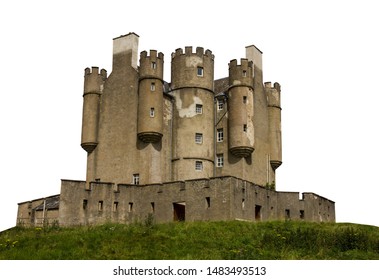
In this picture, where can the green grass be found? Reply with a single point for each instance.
(197, 240)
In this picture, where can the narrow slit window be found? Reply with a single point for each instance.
(130, 207)
(244, 73)
(152, 112)
(208, 202)
(244, 99)
(152, 86)
(153, 65)
(245, 128)
(152, 204)
(85, 204)
(115, 206)
(100, 205)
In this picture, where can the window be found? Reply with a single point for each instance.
(287, 214)
(244, 99)
(245, 128)
(85, 203)
(208, 201)
(220, 105)
(152, 204)
(220, 160)
(220, 135)
(115, 206)
(152, 86)
(136, 179)
(200, 71)
(199, 108)
(152, 112)
(153, 65)
(100, 205)
(244, 73)
(130, 207)
(302, 214)
(198, 165)
(198, 138)
(243, 204)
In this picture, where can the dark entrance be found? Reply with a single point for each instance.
(179, 211)
(258, 212)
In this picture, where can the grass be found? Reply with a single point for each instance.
(193, 240)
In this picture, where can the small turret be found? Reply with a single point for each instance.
(240, 104)
(93, 88)
(150, 99)
(274, 118)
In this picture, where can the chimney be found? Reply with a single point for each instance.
(125, 50)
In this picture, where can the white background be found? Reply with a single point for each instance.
(325, 55)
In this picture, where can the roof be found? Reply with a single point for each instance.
(52, 203)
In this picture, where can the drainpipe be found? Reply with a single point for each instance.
(43, 212)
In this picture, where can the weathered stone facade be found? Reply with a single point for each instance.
(185, 150)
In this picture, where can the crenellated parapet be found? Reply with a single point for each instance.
(94, 80)
(192, 69)
(151, 66)
(241, 74)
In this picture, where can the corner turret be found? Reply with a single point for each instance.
(93, 88)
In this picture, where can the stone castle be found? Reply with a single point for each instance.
(192, 149)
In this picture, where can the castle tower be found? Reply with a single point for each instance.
(93, 88)
(150, 99)
(240, 104)
(274, 118)
(193, 128)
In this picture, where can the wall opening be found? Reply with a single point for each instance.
(100, 205)
(115, 206)
(179, 211)
(287, 214)
(85, 203)
(302, 214)
(130, 207)
(258, 213)
(208, 202)
(152, 207)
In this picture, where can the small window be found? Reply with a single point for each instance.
(244, 73)
(220, 135)
(152, 86)
(220, 105)
(136, 179)
(220, 160)
(85, 204)
(152, 204)
(199, 108)
(245, 128)
(130, 207)
(302, 214)
(198, 138)
(152, 112)
(287, 214)
(199, 165)
(243, 204)
(244, 99)
(200, 71)
(153, 65)
(208, 202)
(100, 205)
(115, 206)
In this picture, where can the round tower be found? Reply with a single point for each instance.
(274, 118)
(150, 98)
(93, 88)
(193, 127)
(241, 109)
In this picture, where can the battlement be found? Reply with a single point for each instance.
(94, 70)
(276, 86)
(153, 54)
(245, 63)
(188, 51)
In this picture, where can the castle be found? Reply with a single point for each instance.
(192, 149)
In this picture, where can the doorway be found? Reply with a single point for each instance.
(179, 211)
(258, 212)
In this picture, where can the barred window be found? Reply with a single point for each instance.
(199, 108)
(136, 179)
(198, 138)
(220, 160)
(220, 135)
